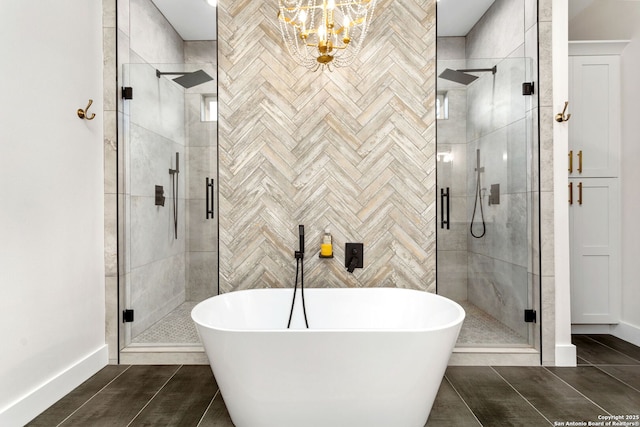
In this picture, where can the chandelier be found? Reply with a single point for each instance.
(321, 33)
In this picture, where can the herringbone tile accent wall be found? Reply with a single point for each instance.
(352, 150)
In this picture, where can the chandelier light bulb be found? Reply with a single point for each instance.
(322, 33)
(303, 20)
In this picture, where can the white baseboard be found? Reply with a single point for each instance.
(565, 355)
(590, 329)
(626, 331)
(27, 407)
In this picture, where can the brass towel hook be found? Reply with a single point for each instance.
(84, 114)
(562, 117)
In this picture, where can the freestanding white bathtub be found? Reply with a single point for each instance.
(371, 356)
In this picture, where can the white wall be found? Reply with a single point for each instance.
(630, 196)
(52, 317)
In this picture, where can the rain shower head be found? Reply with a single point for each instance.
(189, 79)
(461, 76)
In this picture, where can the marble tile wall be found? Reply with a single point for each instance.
(545, 114)
(110, 115)
(352, 150)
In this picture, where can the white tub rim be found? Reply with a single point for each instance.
(459, 318)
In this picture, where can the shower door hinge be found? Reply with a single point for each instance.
(127, 92)
(127, 316)
(528, 88)
(529, 316)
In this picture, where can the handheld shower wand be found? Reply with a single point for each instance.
(301, 239)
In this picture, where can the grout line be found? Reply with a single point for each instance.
(613, 365)
(153, 397)
(616, 378)
(520, 394)
(587, 362)
(578, 391)
(94, 395)
(611, 348)
(208, 407)
(463, 401)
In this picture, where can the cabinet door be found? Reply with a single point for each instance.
(594, 128)
(595, 241)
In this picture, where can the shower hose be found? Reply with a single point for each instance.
(299, 268)
(478, 197)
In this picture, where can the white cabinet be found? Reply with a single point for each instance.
(594, 212)
(594, 128)
(595, 245)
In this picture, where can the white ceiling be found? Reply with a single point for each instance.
(192, 19)
(604, 19)
(196, 20)
(457, 17)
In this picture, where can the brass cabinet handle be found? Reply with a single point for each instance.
(571, 193)
(579, 193)
(571, 161)
(580, 161)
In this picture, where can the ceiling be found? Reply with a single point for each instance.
(196, 20)
(192, 19)
(457, 17)
(603, 19)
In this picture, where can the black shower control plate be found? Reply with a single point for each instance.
(349, 252)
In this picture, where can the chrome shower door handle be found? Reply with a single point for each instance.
(209, 196)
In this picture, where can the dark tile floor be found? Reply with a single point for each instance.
(605, 383)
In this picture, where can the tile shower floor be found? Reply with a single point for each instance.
(479, 328)
(606, 382)
(175, 328)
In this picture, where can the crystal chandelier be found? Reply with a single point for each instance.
(321, 33)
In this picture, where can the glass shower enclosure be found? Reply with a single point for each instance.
(486, 191)
(168, 222)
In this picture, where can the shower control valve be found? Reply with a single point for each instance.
(353, 256)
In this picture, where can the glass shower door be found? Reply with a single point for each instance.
(169, 227)
(485, 185)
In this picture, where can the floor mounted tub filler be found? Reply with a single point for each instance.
(371, 356)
